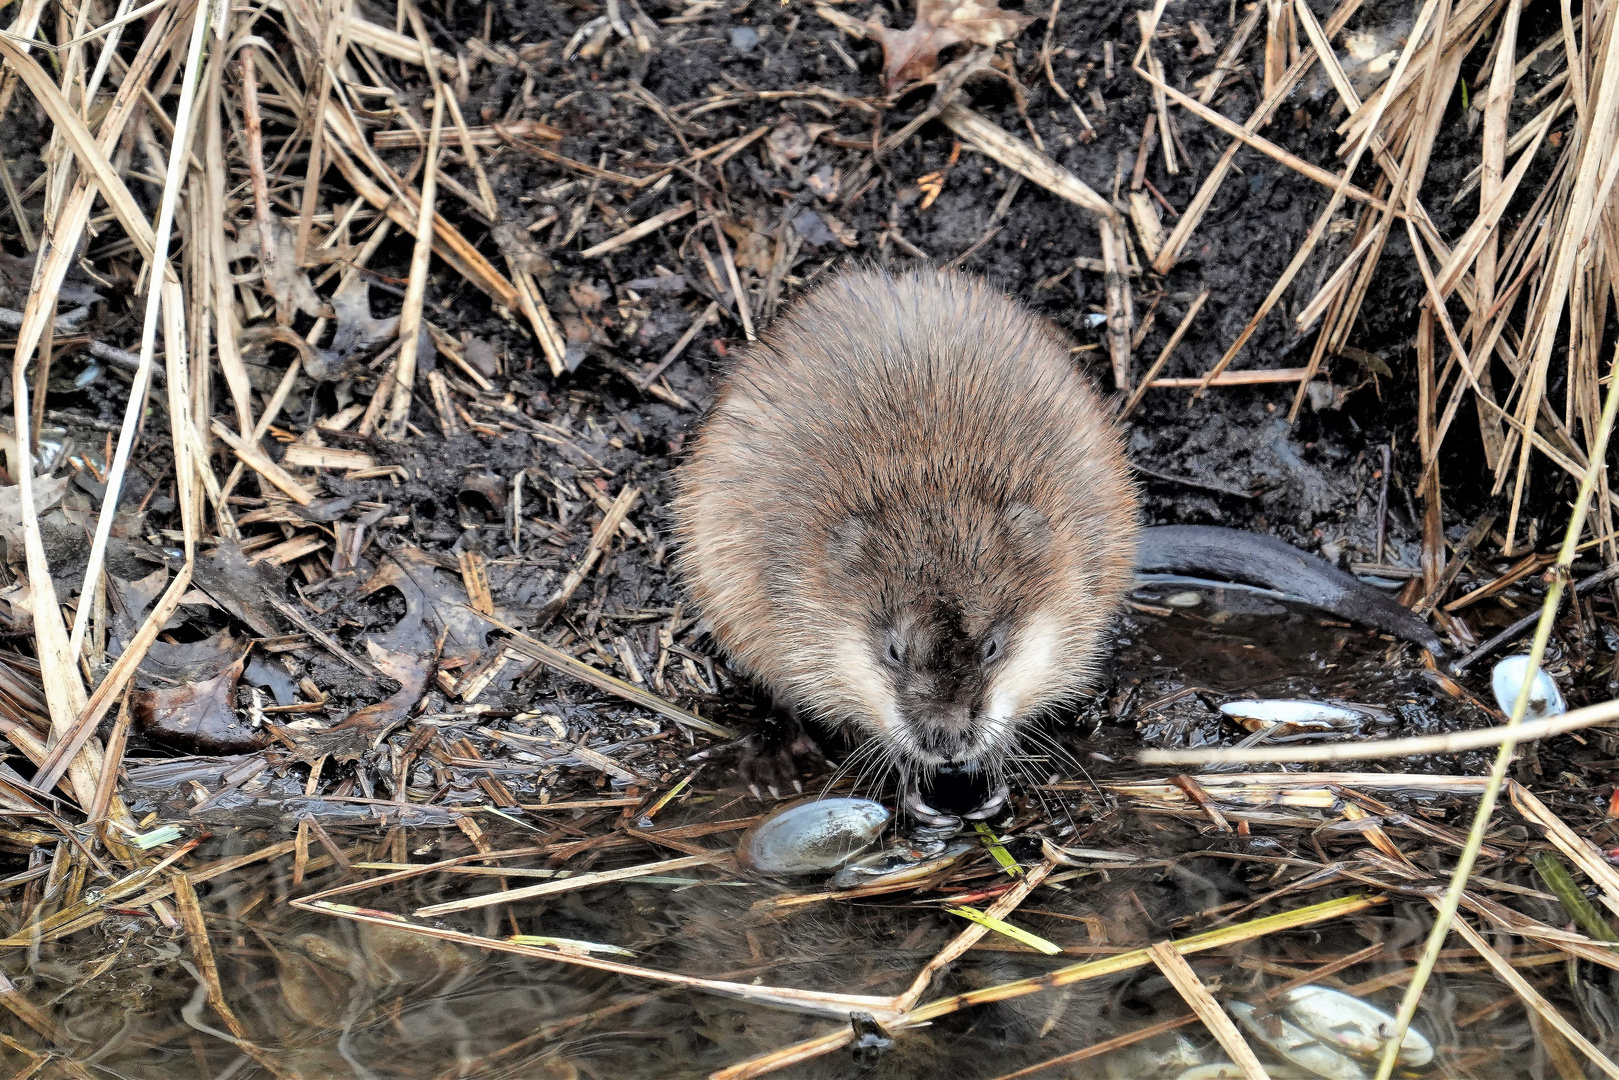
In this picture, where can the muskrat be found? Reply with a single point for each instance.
(909, 513)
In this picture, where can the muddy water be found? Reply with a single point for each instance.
(324, 997)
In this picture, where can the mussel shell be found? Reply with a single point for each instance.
(811, 837)
(894, 865)
(1281, 711)
(1353, 1025)
(1507, 682)
(1295, 1044)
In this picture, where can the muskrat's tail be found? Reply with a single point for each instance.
(1251, 559)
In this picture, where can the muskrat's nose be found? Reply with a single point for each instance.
(946, 731)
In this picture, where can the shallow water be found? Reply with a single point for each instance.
(321, 996)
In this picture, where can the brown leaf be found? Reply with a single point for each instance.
(365, 728)
(433, 609)
(411, 673)
(198, 715)
(914, 52)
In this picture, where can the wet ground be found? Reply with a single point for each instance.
(329, 997)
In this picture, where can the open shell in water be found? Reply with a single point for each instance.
(1284, 718)
(1225, 1070)
(894, 865)
(1507, 681)
(1295, 1044)
(811, 837)
(1351, 1024)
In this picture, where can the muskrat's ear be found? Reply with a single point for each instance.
(847, 541)
(1026, 523)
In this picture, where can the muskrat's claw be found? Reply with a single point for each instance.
(771, 758)
(991, 805)
(912, 802)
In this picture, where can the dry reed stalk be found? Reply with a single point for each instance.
(1593, 147)
(1147, 23)
(1181, 329)
(410, 314)
(65, 692)
(581, 881)
(1318, 230)
(166, 298)
(1532, 998)
(996, 143)
(1194, 993)
(1192, 216)
(1376, 749)
(559, 661)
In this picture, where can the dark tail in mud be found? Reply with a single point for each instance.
(1251, 559)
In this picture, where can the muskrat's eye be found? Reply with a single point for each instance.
(992, 647)
(894, 654)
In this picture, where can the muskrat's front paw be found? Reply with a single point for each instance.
(771, 760)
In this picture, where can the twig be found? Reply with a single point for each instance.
(559, 661)
(645, 228)
(679, 347)
(253, 123)
(599, 539)
(1147, 380)
(731, 274)
(410, 313)
(329, 643)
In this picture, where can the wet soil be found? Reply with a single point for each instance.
(329, 997)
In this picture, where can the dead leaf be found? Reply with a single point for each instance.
(376, 721)
(284, 279)
(356, 329)
(428, 600)
(588, 295)
(481, 355)
(240, 587)
(753, 248)
(789, 140)
(319, 364)
(186, 696)
(914, 52)
(132, 599)
(48, 492)
(525, 253)
(846, 234)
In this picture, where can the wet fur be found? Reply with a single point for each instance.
(912, 455)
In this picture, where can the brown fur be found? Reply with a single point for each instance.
(909, 513)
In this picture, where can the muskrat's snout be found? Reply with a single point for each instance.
(946, 733)
(939, 669)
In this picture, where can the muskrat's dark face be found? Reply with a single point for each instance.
(947, 648)
(941, 666)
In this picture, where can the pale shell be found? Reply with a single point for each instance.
(1351, 1024)
(1293, 717)
(1295, 1044)
(1544, 697)
(895, 865)
(811, 837)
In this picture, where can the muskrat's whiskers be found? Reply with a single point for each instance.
(864, 755)
(1057, 749)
